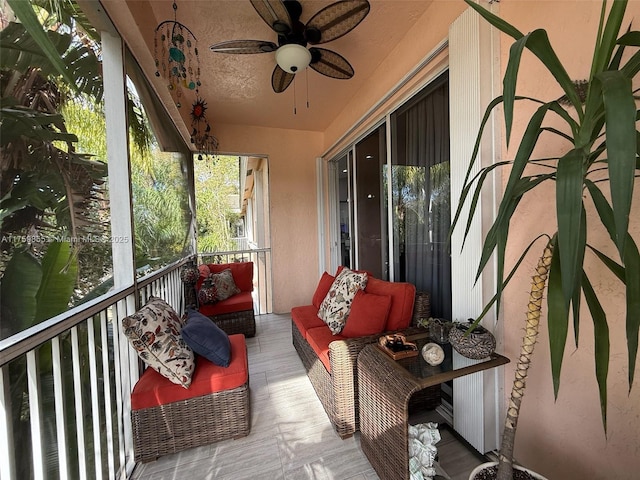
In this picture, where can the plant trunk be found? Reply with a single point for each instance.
(538, 283)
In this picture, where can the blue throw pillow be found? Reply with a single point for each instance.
(206, 338)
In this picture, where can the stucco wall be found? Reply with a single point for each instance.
(427, 33)
(293, 216)
(565, 439)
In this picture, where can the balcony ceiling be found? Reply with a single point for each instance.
(237, 88)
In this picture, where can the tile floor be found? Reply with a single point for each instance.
(291, 437)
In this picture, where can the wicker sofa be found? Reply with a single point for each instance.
(330, 360)
(235, 314)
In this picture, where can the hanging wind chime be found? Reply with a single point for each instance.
(201, 136)
(176, 56)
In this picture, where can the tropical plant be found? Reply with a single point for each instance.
(601, 142)
(160, 209)
(216, 179)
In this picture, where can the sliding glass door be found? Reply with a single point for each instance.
(413, 188)
(421, 194)
(370, 206)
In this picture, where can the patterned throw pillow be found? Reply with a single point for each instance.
(224, 283)
(208, 292)
(154, 333)
(336, 306)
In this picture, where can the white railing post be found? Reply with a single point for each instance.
(61, 417)
(77, 395)
(35, 415)
(95, 405)
(106, 380)
(7, 463)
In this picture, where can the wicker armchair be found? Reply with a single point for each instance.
(235, 314)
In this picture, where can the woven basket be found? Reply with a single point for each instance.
(476, 345)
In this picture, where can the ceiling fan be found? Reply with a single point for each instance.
(292, 54)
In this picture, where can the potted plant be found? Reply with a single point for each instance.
(599, 116)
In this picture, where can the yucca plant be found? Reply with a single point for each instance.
(599, 161)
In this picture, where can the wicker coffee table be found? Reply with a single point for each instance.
(386, 386)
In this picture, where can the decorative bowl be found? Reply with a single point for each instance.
(478, 344)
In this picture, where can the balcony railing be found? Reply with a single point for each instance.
(65, 383)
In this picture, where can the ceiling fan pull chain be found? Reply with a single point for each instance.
(295, 112)
(306, 78)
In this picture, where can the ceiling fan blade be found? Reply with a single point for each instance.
(244, 46)
(330, 63)
(274, 13)
(336, 20)
(280, 79)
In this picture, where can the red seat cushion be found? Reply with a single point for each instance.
(368, 315)
(403, 296)
(306, 317)
(152, 389)
(319, 339)
(236, 303)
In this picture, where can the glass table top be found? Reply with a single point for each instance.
(422, 372)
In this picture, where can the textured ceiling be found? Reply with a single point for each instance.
(237, 88)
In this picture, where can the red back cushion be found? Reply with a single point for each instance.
(242, 273)
(368, 315)
(322, 289)
(403, 295)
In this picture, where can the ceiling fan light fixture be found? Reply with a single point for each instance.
(293, 58)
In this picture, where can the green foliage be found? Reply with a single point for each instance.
(160, 209)
(34, 290)
(601, 138)
(28, 44)
(216, 178)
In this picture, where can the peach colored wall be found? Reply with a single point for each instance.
(293, 212)
(429, 30)
(565, 439)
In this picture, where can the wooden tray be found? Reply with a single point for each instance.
(401, 354)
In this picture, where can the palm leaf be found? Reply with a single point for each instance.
(481, 176)
(558, 315)
(577, 293)
(539, 45)
(568, 210)
(621, 147)
(607, 42)
(18, 121)
(59, 271)
(474, 156)
(615, 267)
(18, 287)
(20, 51)
(506, 209)
(24, 11)
(601, 341)
(506, 281)
(632, 282)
